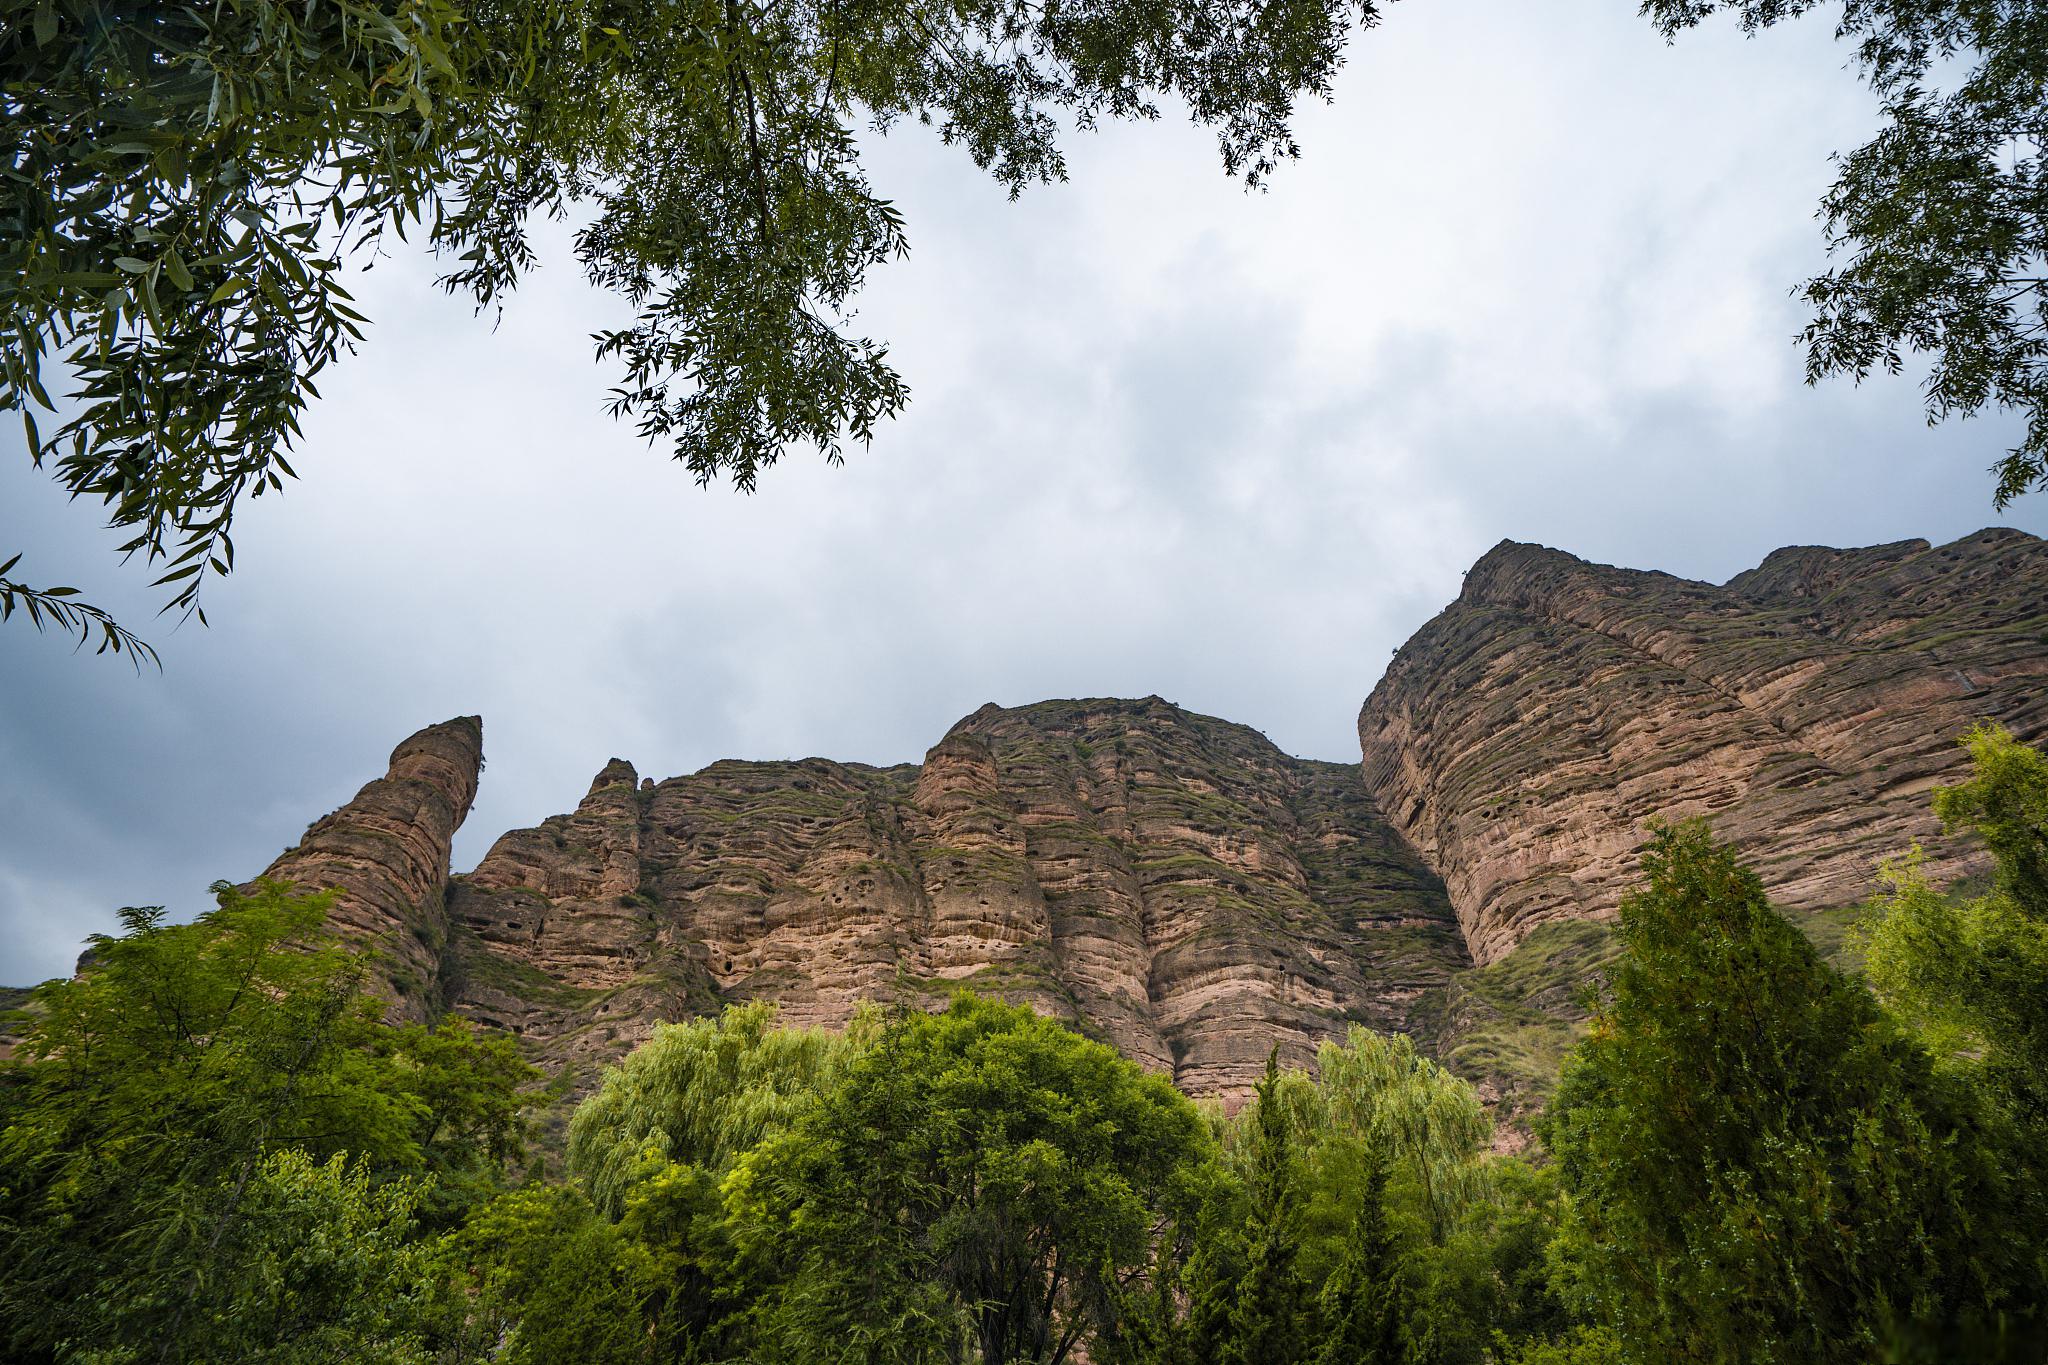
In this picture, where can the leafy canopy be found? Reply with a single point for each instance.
(980, 1179)
(1941, 220)
(700, 1093)
(185, 185)
(1763, 1166)
(145, 1118)
(1971, 973)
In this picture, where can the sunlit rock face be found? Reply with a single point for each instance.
(1523, 737)
(1170, 883)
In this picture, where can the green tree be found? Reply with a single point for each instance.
(537, 1277)
(1429, 1123)
(654, 1144)
(1362, 1305)
(1970, 973)
(981, 1181)
(1271, 1303)
(1470, 1227)
(2005, 804)
(186, 184)
(1942, 218)
(1583, 1346)
(1762, 1166)
(323, 1265)
(149, 1092)
(701, 1093)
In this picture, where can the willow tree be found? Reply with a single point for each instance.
(186, 186)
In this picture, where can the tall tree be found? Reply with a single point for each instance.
(1362, 1305)
(1970, 973)
(1941, 220)
(186, 184)
(1763, 1167)
(1269, 1318)
(1429, 1124)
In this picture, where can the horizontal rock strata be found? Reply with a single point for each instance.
(386, 852)
(1524, 736)
(1178, 887)
(1170, 883)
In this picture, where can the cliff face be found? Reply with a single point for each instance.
(386, 851)
(1170, 883)
(1521, 739)
(1180, 888)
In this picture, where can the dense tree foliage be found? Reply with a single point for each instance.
(213, 1147)
(1764, 1165)
(185, 186)
(1970, 972)
(983, 1183)
(701, 1094)
(198, 1112)
(1941, 220)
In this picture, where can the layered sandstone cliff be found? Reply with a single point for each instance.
(386, 853)
(1522, 738)
(1170, 883)
(1179, 887)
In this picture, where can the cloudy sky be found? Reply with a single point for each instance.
(1530, 281)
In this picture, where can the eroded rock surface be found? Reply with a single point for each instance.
(1178, 887)
(1170, 883)
(1523, 737)
(386, 851)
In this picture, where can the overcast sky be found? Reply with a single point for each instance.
(1529, 281)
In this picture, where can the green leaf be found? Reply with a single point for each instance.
(234, 285)
(131, 265)
(46, 24)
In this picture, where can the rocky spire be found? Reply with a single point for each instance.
(386, 851)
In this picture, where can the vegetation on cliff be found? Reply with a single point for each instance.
(213, 1146)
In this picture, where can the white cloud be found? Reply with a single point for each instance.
(1530, 281)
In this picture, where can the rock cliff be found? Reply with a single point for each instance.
(1170, 883)
(386, 852)
(1177, 886)
(1522, 738)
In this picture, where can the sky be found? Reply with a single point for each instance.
(1531, 280)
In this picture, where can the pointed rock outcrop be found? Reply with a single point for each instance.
(387, 851)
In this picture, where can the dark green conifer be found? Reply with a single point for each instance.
(1271, 1307)
(1764, 1168)
(1363, 1303)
